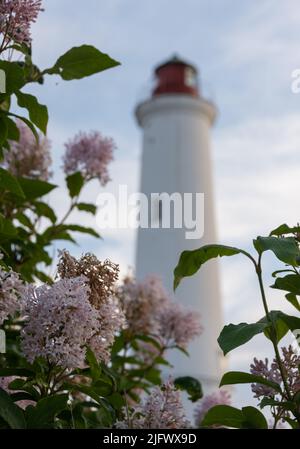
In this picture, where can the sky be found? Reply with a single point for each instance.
(245, 52)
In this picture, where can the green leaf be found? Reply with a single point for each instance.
(291, 321)
(91, 208)
(43, 210)
(17, 384)
(191, 385)
(13, 132)
(43, 415)
(80, 62)
(19, 372)
(285, 249)
(153, 375)
(85, 389)
(83, 230)
(38, 113)
(63, 235)
(223, 415)
(103, 388)
(28, 123)
(282, 323)
(3, 130)
(253, 419)
(148, 339)
(281, 329)
(238, 377)
(235, 335)
(10, 412)
(75, 183)
(35, 188)
(7, 228)
(292, 299)
(117, 401)
(14, 76)
(289, 283)
(24, 220)
(191, 261)
(93, 364)
(10, 183)
(284, 230)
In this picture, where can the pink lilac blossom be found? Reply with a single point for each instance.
(90, 154)
(100, 278)
(220, 397)
(11, 291)
(163, 409)
(177, 326)
(290, 362)
(142, 303)
(60, 323)
(110, 321)
(16, 17)
(27, 157)
(262, 368)
(150, 311)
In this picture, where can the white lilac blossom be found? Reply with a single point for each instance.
(162, 409)
(16, 17)
(90, 154)
(220, 397)
(27, 157)
(11, 291)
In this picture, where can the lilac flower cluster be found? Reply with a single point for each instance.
(272, 373)
(150, 311)
(100, 278)
(11, 291)
(163, 409)
(76, 312)
(60, 322)
(90, 154)
(290, 362)
(27, 157)
(177, 326)
(220, 397)
(142, 302)
(16, 19)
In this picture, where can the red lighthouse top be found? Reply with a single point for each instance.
(176, 76)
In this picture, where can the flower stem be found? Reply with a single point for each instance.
(273, 336)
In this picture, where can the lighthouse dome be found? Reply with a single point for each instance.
(176, 76)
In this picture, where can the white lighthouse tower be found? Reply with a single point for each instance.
(176, 157)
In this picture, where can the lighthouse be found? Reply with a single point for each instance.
(176, 123)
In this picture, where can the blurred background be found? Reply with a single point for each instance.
(245, 53)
